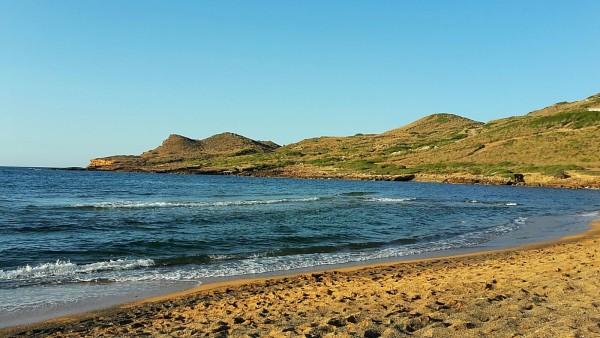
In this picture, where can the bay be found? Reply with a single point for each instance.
(66, 235)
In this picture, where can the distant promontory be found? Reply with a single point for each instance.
(555, 146)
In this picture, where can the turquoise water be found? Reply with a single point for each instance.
(64, 231)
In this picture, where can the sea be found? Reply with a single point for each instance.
(73, 241)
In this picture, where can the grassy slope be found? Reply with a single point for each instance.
(557, 145)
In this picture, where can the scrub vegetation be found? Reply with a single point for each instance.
(560, 142)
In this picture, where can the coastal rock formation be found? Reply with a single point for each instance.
(118, 162)
(101, 162)
(554, 146)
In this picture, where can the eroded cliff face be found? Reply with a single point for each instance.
(101, 162)
(118, 162)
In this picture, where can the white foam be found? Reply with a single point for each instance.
(520, 221)
(162, 204)
(124, 270)
(66, 268)
(263, 264)
(591, 214)
(390, 200)
(492, 203)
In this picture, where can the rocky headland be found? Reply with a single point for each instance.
(556, 146)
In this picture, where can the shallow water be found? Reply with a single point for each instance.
(62, 232)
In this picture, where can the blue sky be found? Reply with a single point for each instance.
(85, 79)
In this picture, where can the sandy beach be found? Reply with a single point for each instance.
(541, 290)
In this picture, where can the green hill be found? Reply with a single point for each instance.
(554, 146)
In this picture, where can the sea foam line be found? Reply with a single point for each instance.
(508, 204)
(66, 268)
(390, 200)
(124, 270)
(162, 204)
(591, 214)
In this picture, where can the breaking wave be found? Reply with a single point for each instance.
(509, 204)
(390, 200)
(129, 270)
(591, 214)
(161, 204)
(62, 268)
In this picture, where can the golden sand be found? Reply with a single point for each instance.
(546, 290)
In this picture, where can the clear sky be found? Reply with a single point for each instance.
(84, 79)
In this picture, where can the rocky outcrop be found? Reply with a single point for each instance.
(119, 162)
(101, 162)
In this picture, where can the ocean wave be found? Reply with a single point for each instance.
(358, 193)
(163, 204)
(66, 268)
(229, 257)
(127, 270)
(591, 214)
(520, 220)
(390, 200)
(223, 266)
(509, 204)
(298, 260)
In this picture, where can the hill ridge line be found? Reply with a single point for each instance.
(553, 146)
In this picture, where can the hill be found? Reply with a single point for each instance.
(220, 144)
(555, 146)
(178, 153)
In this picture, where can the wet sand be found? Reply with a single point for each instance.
(541, 290)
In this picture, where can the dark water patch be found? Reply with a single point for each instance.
(304, 250)
(366, 245)
(185, 260)
(167, 245)
(358, 193)
(404, 241)
(43, 228)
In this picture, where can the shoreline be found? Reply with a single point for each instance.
(145, 315)
(534, 180)
(592, 231)
(97, 297)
